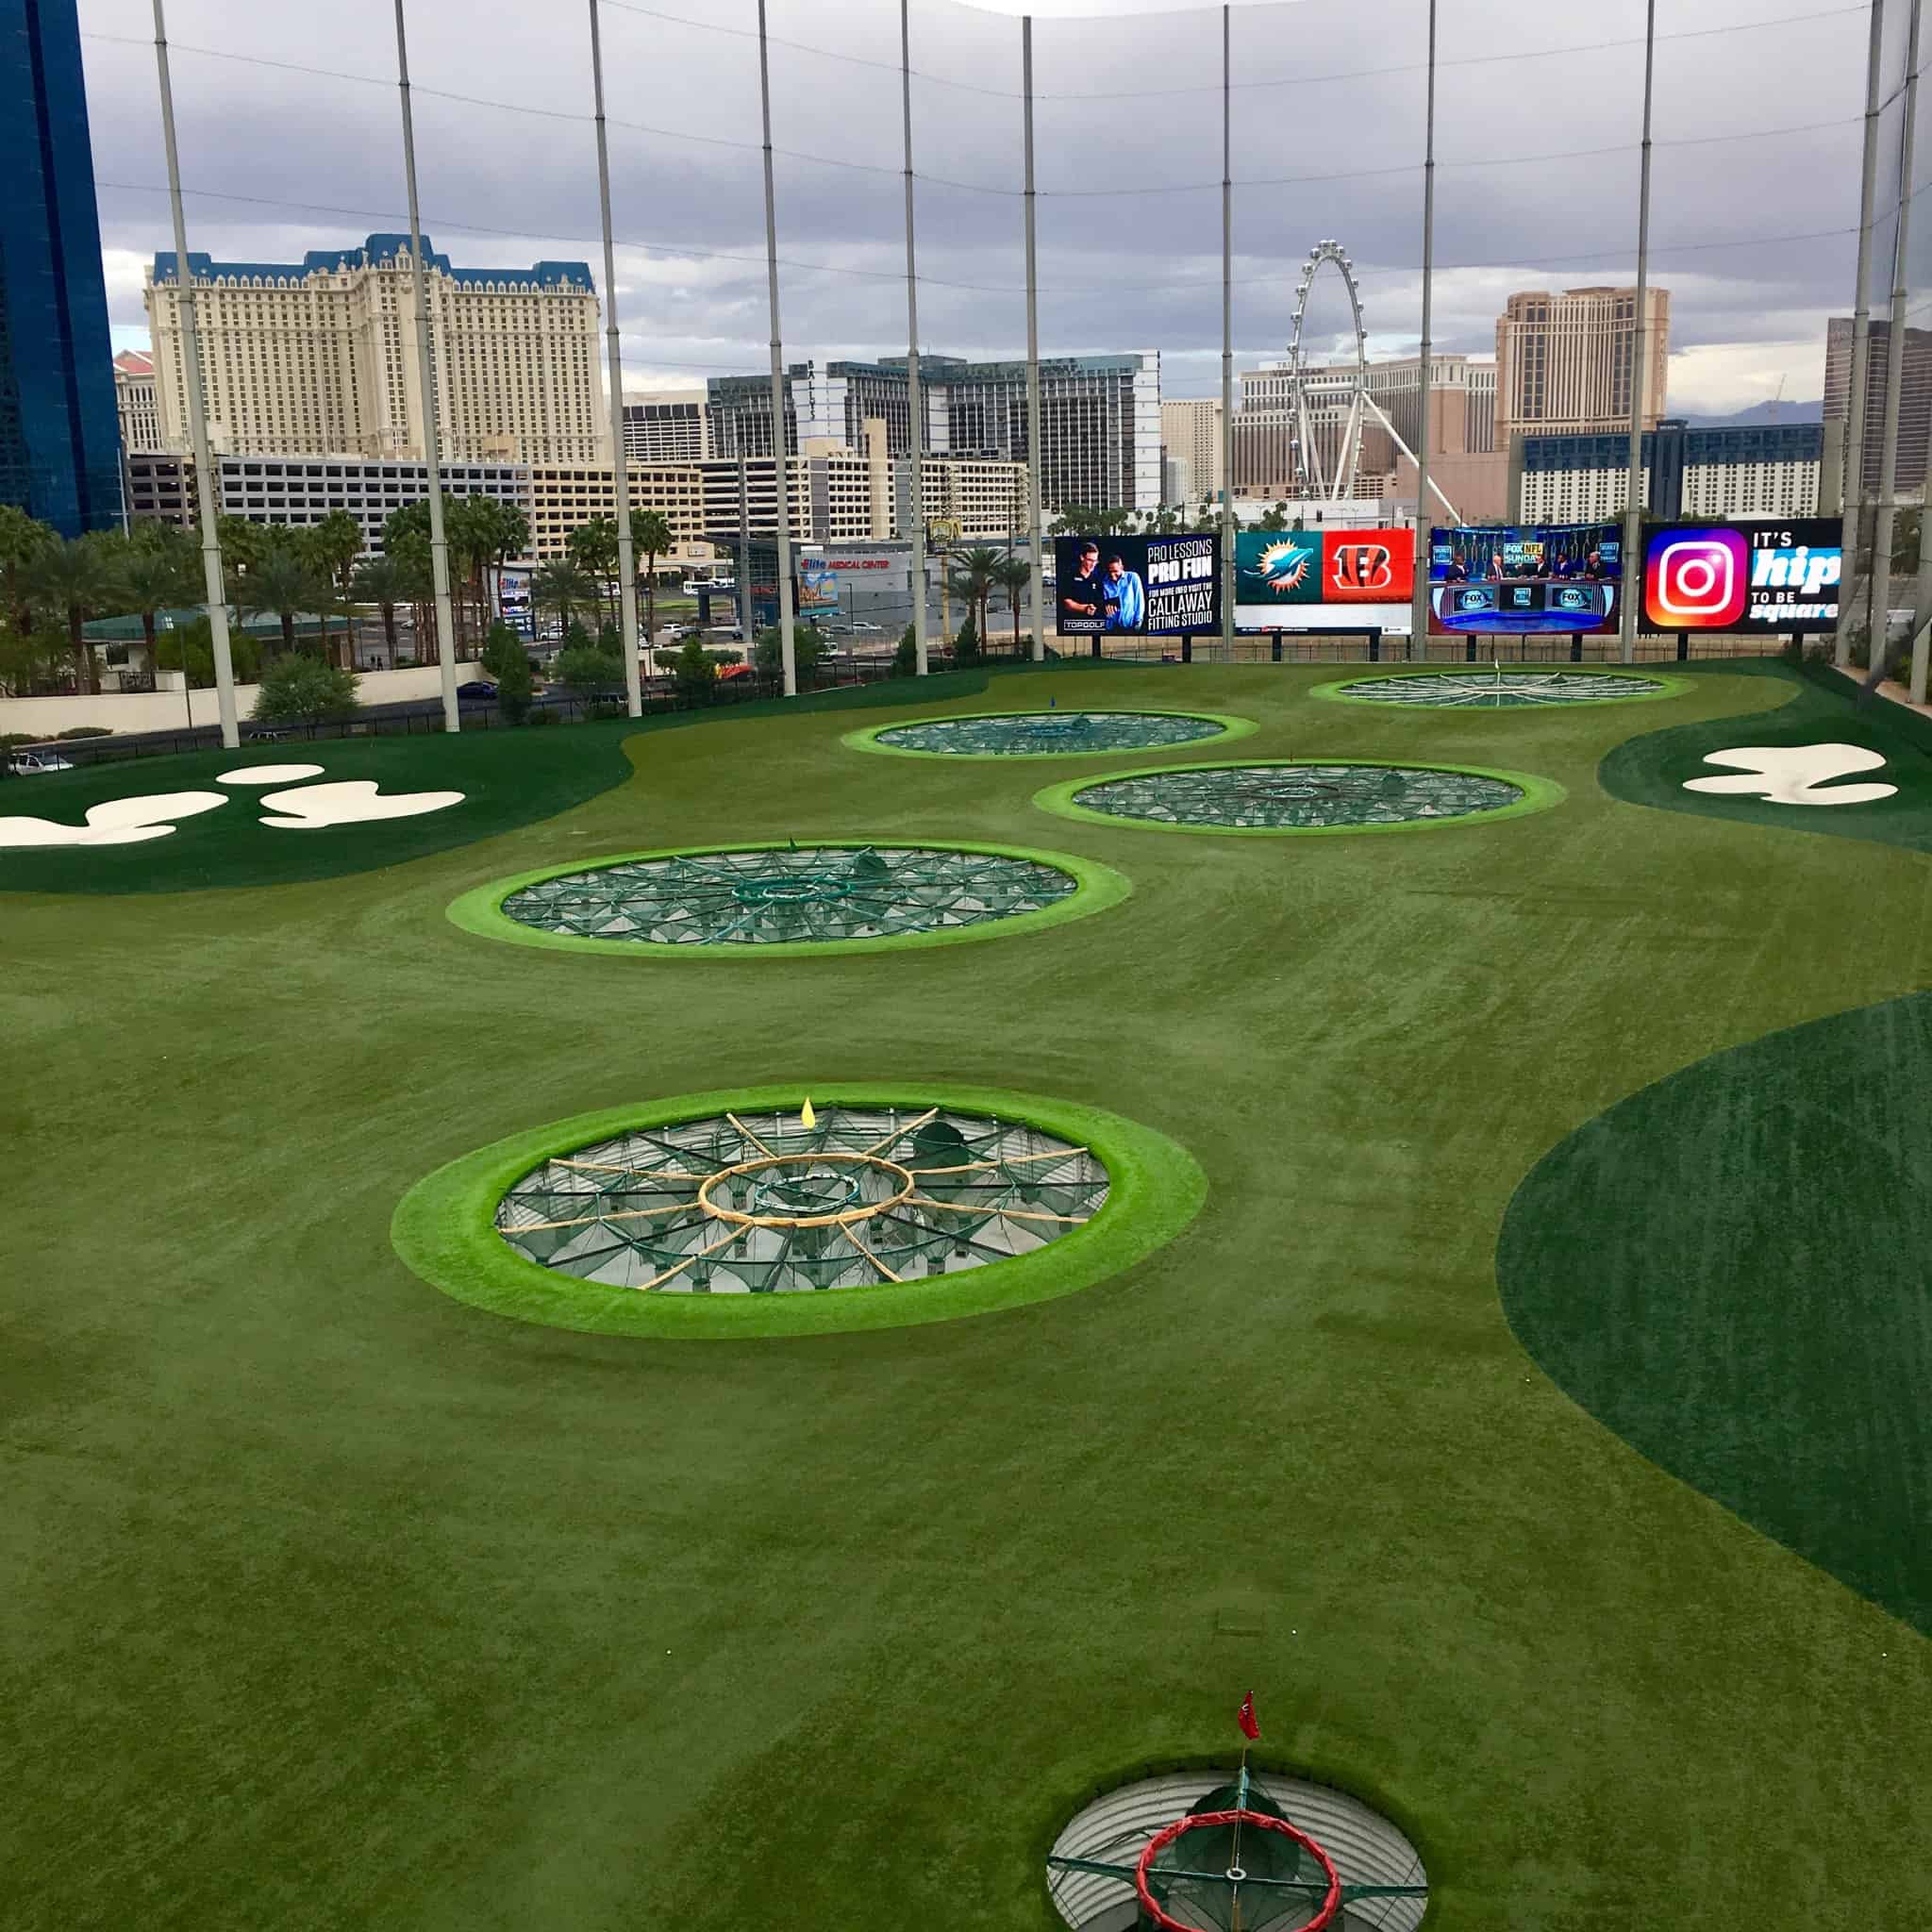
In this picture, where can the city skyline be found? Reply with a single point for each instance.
(1119, 271)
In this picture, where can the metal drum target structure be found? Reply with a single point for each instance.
(1046, 734)
(840, 1196)
(1501, 690)
(1260, 1851)
(1322, 474)
(784, 900)
(1303, 795)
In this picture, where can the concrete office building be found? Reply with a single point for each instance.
(322, 355)
(1765, 470)
(1099, 430)
(1190, 437)
(1565, 362)
(665, 427)
(59, 439)
(1914, 408)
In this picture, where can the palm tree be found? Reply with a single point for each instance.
(280, 585)
(22, 539)
(386, 582)
(151, 577)
(1015, 577)
(593, 550)
(974, 577)
(332, 545)
(508, 531)
(650, 531)
(68, 579)
(562, 586)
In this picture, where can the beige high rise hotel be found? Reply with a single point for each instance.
(321, 356)
(1564, 361)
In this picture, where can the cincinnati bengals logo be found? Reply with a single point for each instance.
(1362, 568)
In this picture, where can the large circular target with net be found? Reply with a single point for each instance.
(1302, 795)
(1500, 690)
(795, 898)
(1056, 733)
(1205, 1851)
(769, 1211)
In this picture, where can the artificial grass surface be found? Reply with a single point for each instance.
(332, 1603)
(507, 778)
(1812, 707)
(1729, 1270)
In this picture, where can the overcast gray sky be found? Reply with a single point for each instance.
(1755, 188)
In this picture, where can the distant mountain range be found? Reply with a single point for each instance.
(1812, 411)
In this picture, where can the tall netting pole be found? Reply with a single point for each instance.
(1227, 572)
(1418, 594)
(1878, 593)
(426, 375)
(781, 464)
(212, 582)
(915, 404)
(1852, 474)
(1640, 365)
(620, 470)
(1032, 356)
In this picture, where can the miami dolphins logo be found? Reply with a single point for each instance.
(1284, 567)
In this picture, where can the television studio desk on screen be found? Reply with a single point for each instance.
(1507, 603)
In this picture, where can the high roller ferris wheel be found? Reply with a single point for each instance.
(1318, 477)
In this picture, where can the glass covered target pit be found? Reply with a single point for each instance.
(1498, 690)
(1298, 797)
(764, 1203)
(789, 895)
(1044, 733)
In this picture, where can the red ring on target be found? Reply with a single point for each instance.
(1258, 1821)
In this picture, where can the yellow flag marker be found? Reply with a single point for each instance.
(806, 1118)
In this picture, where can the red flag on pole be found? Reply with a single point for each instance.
(1245, 1717)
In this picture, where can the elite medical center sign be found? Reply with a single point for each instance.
(1742, 577)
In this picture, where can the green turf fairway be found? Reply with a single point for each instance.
(1768, 1337)
(331, 1603)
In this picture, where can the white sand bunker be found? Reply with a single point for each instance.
(268, 774)
(350, 801)
(119, 821)
(1795, 775)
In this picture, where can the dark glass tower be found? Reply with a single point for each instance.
(60, 434)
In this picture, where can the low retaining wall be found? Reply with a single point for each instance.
(168, 710)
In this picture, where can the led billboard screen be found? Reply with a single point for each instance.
(1136, 585)
(1523, 578)
(1743, 577)
(1323, 579)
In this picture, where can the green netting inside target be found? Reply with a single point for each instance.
(1499, 690)
(1297, 797)
(1022, 734)
(764, 1203)
(784, 897)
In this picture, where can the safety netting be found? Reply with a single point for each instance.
(1037, 733)
(1502, 690)
(791, 896)
(1297, 797)
(833, 1197)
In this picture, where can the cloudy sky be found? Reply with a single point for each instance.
(290, 140)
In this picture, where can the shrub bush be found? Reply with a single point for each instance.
(300, 688)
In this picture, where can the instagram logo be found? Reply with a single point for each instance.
(1698, 579)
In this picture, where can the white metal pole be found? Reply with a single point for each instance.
(781, 467)
(213, 584)
(1640, 371)
(1226, 337)
(1032, 358)
(1879, 595)
(1852, 493)
(915, 405)
(1419, 592)
(744, 611)
(620, 470)
(425, 369)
